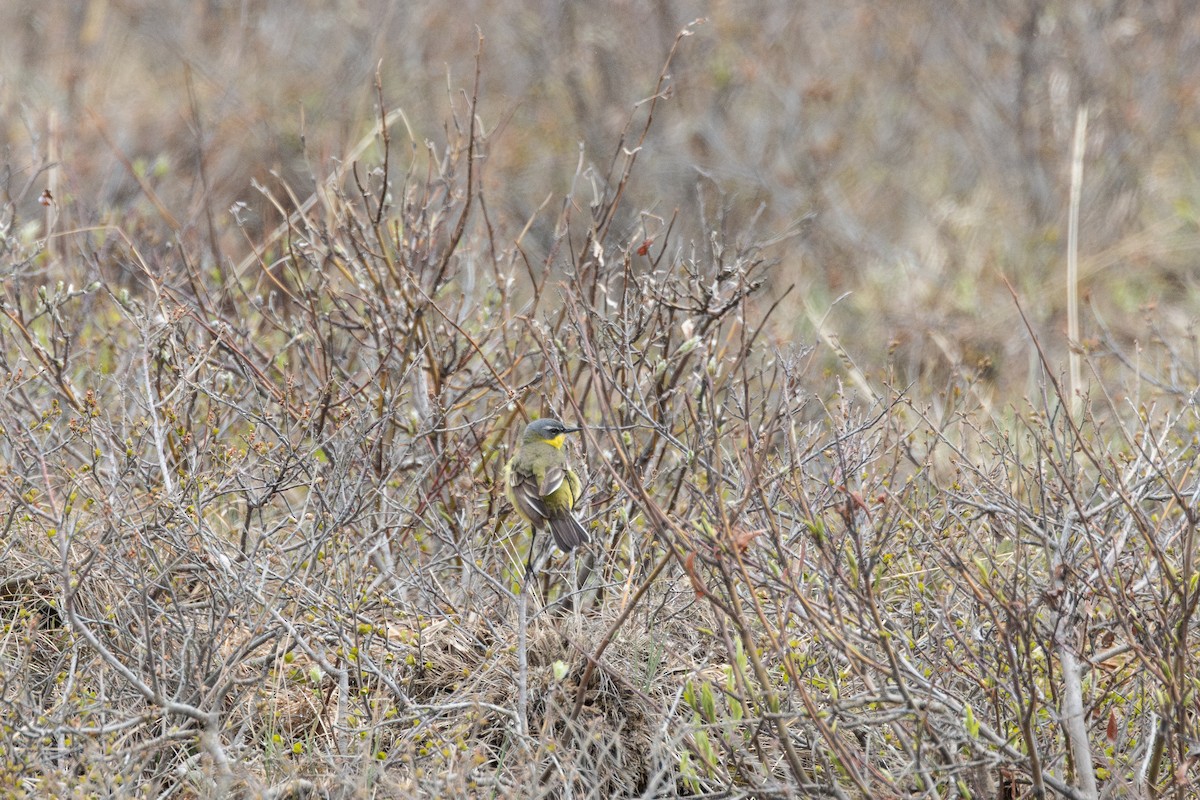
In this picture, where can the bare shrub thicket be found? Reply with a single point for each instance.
(253, 539)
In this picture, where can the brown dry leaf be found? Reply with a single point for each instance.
(689, 566)
(742, 538)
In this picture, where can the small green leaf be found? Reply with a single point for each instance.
(971, 723)
(708, 704)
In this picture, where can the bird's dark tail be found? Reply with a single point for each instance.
(568, 533)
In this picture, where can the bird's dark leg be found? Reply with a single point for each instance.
(522, 641)
(529, 555)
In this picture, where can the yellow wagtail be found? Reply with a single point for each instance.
(541, 485)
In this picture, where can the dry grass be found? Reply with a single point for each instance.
(252, 539)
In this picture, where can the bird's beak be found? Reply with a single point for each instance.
(572, 430)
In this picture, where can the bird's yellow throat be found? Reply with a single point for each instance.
(557, 441)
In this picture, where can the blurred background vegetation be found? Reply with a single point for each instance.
(914, 156)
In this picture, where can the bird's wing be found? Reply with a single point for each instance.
(526, 495)
(552, 480)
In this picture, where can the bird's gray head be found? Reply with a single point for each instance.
(546, 430)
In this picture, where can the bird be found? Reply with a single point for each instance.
(541, 485)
